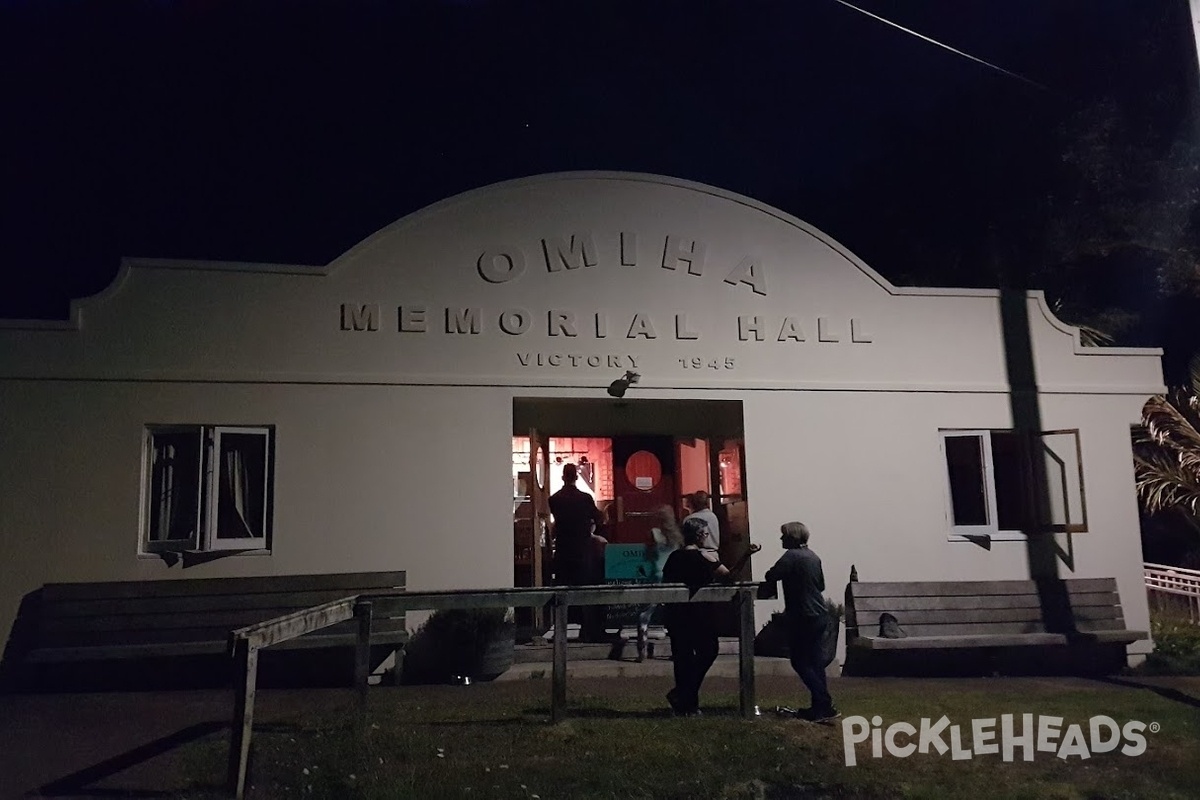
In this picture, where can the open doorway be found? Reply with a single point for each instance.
(634, 457)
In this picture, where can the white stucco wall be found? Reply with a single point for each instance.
(367, 478)
(393, 446)
(866, 473)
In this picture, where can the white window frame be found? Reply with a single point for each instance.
(1073, 510)
(204, 538)
(991, 530)
(212, 475)
(150, 500)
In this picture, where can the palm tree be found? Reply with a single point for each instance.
(1166, 452)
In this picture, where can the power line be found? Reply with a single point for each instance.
(957, 52)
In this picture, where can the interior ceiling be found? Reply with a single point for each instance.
(611, 417)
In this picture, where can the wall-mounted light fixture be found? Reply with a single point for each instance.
(618, 387)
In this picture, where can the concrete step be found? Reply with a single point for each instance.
(617, 648)
(726, 666)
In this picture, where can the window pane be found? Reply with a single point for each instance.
(968, 493)
(1009, 472)
(174, 485)
(1063, 470)
(241, 486)
(643, 470)
(730, 460)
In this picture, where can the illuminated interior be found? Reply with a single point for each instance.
(591, 454)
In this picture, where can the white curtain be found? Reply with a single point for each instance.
(174, 488)
(164, 462)
(234, 514)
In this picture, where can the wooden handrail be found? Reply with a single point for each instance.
(295, 624)
(244, 643)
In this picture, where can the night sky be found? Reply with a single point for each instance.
(287, 132)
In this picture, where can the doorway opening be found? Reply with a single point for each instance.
(634, 457)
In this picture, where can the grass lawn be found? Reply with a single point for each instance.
(495, 741)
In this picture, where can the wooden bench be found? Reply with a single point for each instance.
(1078, 617)
(76, 622)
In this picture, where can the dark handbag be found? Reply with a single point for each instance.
(889, 627)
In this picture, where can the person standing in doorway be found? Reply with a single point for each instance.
(806, 617)
(698, 505)
(577, 545)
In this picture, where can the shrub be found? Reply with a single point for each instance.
(455, 643)
(1176, 647)
(772, 639)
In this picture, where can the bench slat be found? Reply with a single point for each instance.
(993, 628)
(1007, 640)
(198, 648)
(906, 603)
(867, 619)
(187, 604)
(115, 623)
(191, 633)
(353, 582)
(955, 642)
(948, 588)
(1120, 636)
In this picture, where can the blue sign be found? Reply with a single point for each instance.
(631, 563)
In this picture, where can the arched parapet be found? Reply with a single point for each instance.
(565, 279)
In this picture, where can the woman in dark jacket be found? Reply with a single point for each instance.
(693, 626)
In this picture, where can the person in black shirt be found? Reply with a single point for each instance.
(576, 519)
(693, 626)
(799, 570)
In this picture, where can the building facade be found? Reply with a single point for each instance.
(203, 419)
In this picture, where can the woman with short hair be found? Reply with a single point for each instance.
(693, 626)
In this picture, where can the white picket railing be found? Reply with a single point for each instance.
(1173, 590)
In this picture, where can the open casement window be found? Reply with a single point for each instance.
(1064, 504)
(1000, 484)
(175, 462)
(237, 477)
(209, 488)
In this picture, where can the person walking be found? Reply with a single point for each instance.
(664, 539)
(805, 614)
